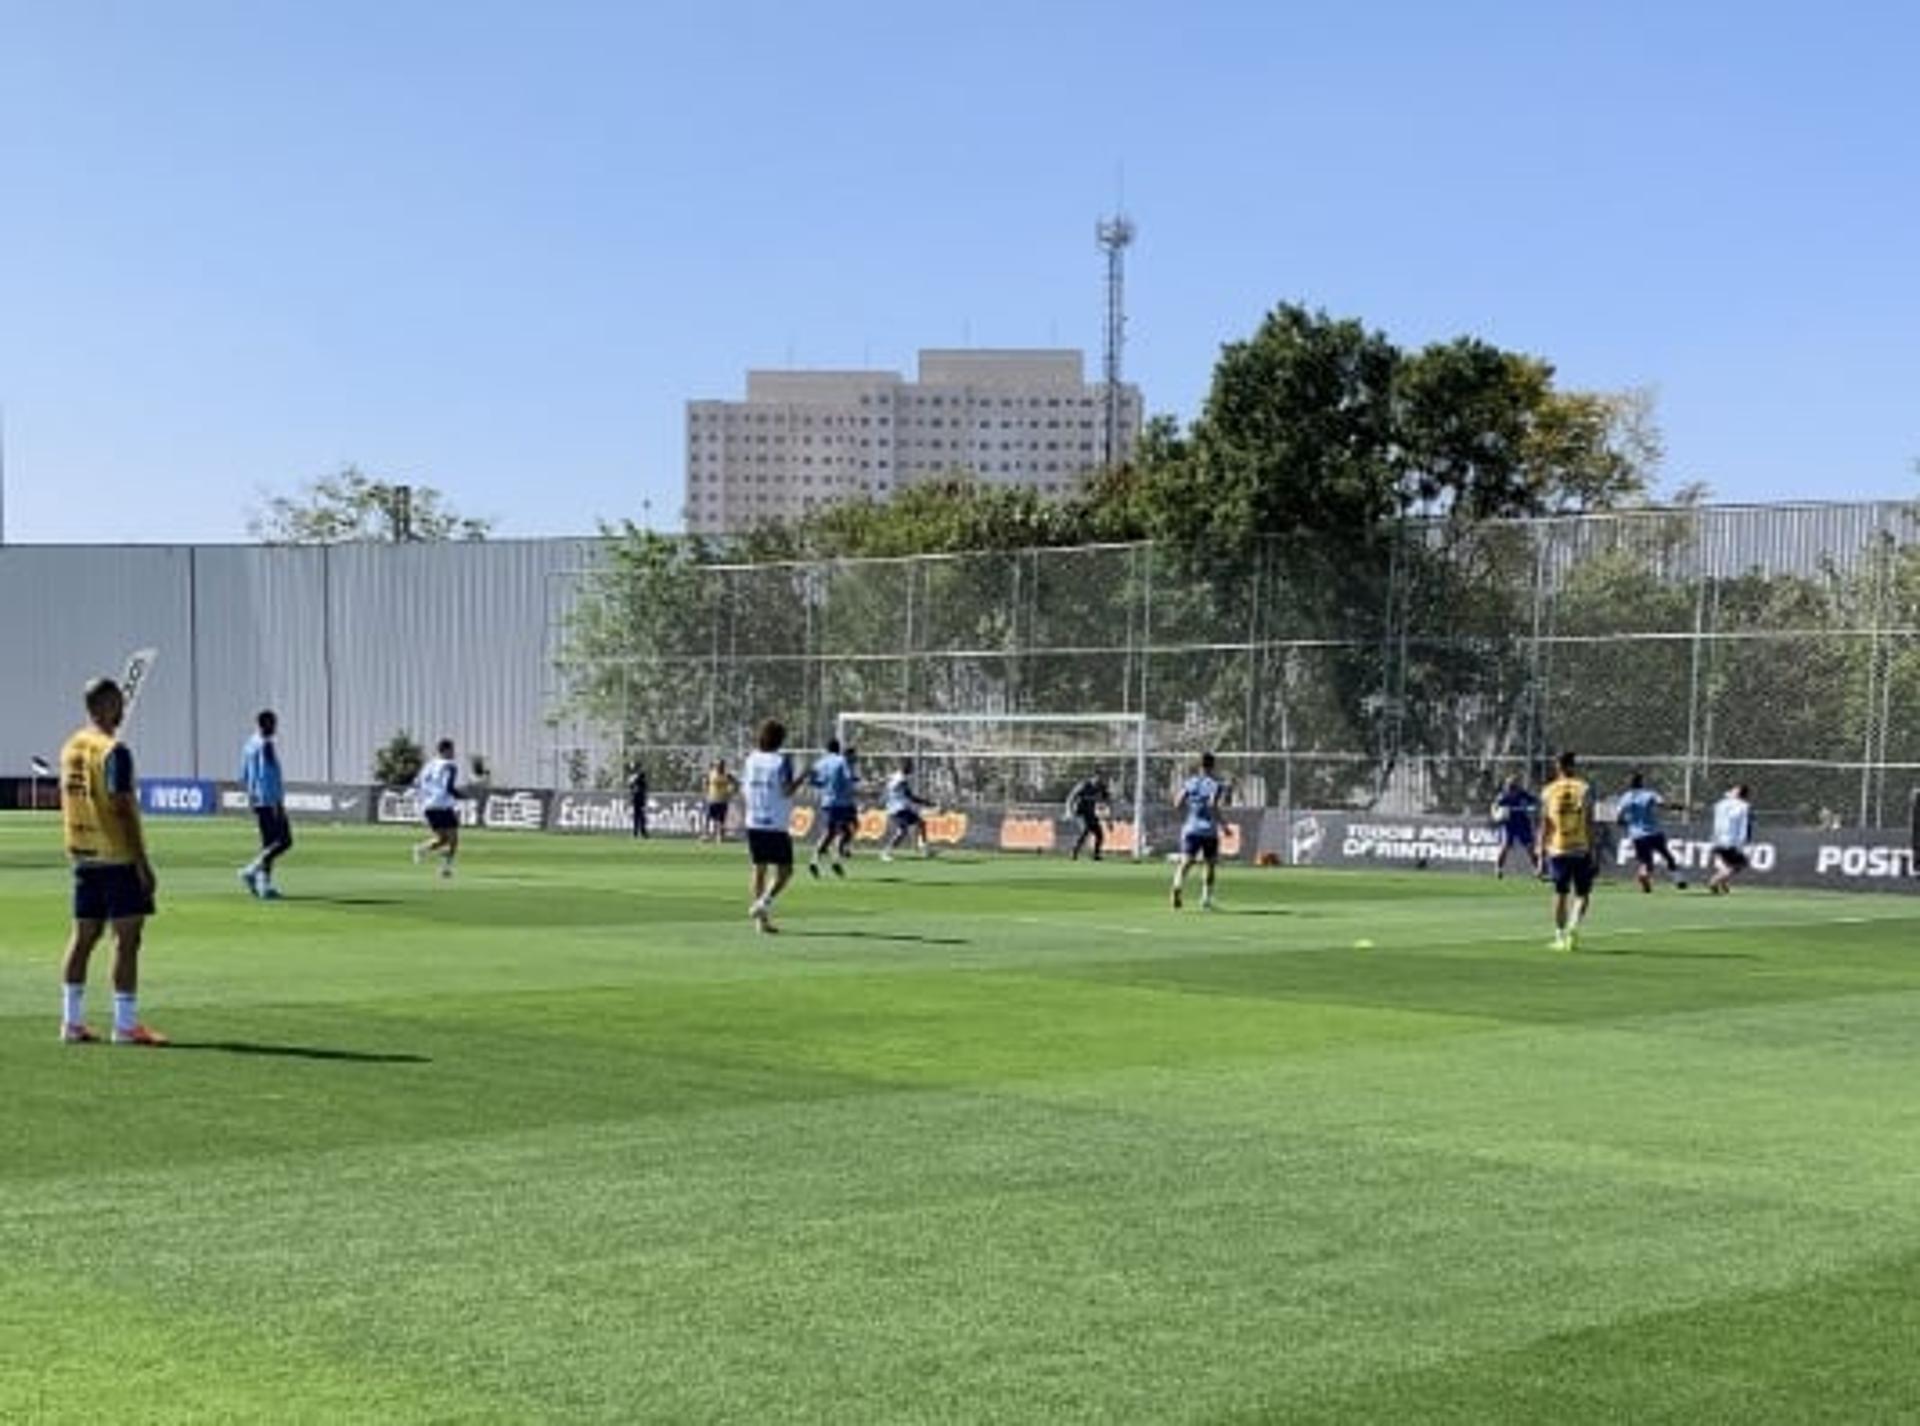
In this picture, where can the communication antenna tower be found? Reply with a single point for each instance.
(1114, 236)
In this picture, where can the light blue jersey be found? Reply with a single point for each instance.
(1640, 812)
(833, 776)
(1201, 798)
(260, 773)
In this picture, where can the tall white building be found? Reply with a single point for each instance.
(807, 438)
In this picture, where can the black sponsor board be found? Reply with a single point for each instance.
(19, 794)
(1840, 860)
(498, 809)
(310, 801)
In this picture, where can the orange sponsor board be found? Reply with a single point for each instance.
(800, 824)
(1026, 834)
(1120, 838)
(948, 829)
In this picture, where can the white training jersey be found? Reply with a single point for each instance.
(1732, 822)
(900, 796)
(769, 806)
(435, 785)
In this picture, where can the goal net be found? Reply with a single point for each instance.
(1030, 761)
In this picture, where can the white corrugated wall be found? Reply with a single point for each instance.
(349, 644)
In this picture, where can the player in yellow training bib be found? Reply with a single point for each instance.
(112, 878)
(1566, 821)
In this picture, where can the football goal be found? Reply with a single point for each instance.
(1016, 759)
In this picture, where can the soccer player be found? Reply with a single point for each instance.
(771, 783)
(1639, 816)
(1200, 798)
(1086, 800)
(1566, 813)
(835, 778)
(903, 811)
(437, 790)
(721, 788)
(637, 793)
(1732, 834)
(113, 880)
(1513, 809)
(267, 795)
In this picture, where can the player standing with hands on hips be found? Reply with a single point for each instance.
(113, 882)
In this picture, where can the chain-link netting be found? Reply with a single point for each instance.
(1779, 646)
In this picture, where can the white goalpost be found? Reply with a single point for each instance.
(1010, 757)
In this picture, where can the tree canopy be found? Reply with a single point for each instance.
(351, 505)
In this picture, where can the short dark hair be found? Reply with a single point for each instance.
(1567, 761)
(906, 764)
(833, 745)
(99, 692)
(1637, 779)
(771, 735)
(1740, 789)
(1206, 762)
(444, 747)
(264, 718)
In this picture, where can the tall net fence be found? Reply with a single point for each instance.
(1777, 646)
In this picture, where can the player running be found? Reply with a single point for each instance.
(1638, 814)
(1732, 834)
(1201, 797)
(1514, 811)
(1566, 812)
(903, 811)
(771, 783)
(722, 787)
(437, 791)
(113, 880)
(1088, 798)
(267, 795)
(834, 777)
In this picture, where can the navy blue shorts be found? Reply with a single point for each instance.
(906, 818)
(1646, 848)
(841, 819)
(275, 830)
(1516, 832)
(1205, 845)
(717, 812)
(443, 819)
(766, 847)
(1572, 873)
(109, 893)
(1735, 858)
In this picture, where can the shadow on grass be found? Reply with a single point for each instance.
(346, 900)
(301, 1052)
(902, 936)
(1589, 948)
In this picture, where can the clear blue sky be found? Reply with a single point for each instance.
(494, 247)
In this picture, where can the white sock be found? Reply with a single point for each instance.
(125, 1017)
(73, 1002)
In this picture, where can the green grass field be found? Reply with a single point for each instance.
(977, 1139)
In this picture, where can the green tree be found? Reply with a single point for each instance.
(351, 505)
(398, 762)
